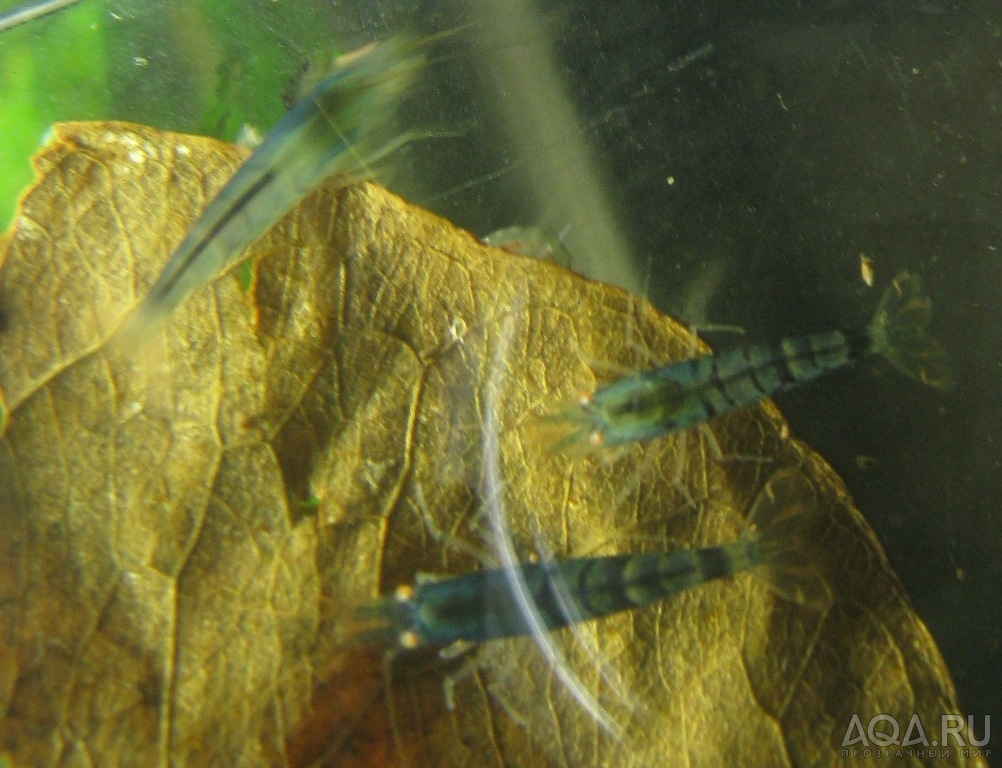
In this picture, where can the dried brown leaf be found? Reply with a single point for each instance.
(180, 535)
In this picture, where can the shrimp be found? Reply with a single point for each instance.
(531, 600)
(330, 131)
(482, 606)
(690, 392)
(533, 242)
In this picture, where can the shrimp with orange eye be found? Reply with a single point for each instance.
(690, 392)
(545, 596)
(515, 611)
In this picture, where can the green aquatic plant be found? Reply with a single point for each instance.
(39, 74)
(210, 67)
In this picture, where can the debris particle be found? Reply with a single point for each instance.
(866, 269)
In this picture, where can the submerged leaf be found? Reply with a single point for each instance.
(182, 536)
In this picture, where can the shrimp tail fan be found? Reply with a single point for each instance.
(899, 333)
(781, 535)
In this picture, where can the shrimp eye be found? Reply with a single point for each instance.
(596, 439)
(404, 593)
(585, 399)
(409, 640)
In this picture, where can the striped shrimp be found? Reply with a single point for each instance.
(487, 611)
(332, 130)
(491, 604)
(690, 392)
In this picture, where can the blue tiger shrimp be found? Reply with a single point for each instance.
(480, 606)
(476, 610)
(680, 395)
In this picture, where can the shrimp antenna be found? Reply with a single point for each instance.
(31, 11)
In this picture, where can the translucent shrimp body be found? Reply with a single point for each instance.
(482, 606)
(332, 130)
(690, 392)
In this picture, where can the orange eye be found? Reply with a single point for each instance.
(404, 593)
(596, 439)
(585, 399)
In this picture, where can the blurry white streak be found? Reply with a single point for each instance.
(509, 562)
(690, 58)
(564, 176)
(31, 11)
